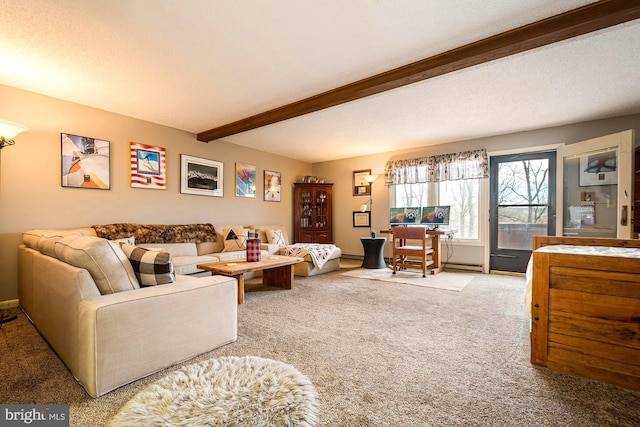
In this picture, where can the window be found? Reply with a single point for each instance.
(450, 179)
(462, 195)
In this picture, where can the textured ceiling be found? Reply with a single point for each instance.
(198, 64)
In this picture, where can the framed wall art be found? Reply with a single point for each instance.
(360, 186)
(599, 169)
(148, 166)
(272, 186)
(361, 219)
(245, 180)
(202, 177)
(86, 162)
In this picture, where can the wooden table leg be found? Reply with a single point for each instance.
(435, 243)
(281, 277)
(240, 279)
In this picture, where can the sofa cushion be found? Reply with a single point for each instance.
(44, 240)
(151, 267)
(34, 238)
(175, 249)
(104, 260)
(235, 239)
(188, 264)
(276, 237)
(206, 248)
(47, 243)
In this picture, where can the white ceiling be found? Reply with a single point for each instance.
(198, 64)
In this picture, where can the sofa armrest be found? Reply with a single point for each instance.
(128, 335)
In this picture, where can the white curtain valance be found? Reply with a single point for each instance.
(445, 167)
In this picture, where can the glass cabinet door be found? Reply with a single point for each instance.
(306, 209)
(596, 193)
(322, 211)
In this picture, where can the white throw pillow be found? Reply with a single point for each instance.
(235, 239)
(275, 237)
(131, 240)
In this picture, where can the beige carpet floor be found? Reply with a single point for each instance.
(378, 353)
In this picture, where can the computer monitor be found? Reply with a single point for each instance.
(399, 216)
(435, 216)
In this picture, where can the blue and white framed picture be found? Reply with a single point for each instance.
(148, 166)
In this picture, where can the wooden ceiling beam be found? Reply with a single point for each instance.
(583, 20)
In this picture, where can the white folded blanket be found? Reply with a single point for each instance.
(320, 252)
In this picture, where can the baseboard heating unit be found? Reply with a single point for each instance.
(455, 266)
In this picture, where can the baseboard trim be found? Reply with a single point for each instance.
(9, 304)
(453, 266)
(507, 273)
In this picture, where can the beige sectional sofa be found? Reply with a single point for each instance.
(79, 289)
(187, 255)
(107, 329)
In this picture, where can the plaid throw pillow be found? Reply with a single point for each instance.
(151, 267)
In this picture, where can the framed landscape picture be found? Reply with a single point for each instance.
(202, 177)
(148, 166)
(272, 186)
(245, 180)
(86, 162)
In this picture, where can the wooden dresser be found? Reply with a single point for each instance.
(586, 311)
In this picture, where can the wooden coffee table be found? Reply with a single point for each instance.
(277, 270)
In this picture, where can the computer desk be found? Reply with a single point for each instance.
(436, 244)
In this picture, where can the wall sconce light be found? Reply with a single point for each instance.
(8, 131)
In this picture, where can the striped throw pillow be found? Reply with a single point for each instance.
(151, 267)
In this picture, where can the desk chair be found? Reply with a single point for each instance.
(411, 256)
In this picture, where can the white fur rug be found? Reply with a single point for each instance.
(228, 391)
(443, 280)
